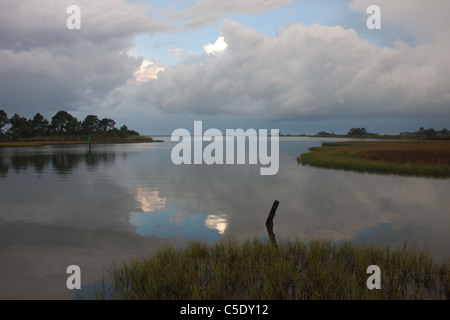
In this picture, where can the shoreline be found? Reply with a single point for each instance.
(426, 158)
(40, 143)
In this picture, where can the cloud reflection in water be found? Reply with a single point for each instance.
(158, 218)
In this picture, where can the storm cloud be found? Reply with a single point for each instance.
(303, 72)
(45, 66)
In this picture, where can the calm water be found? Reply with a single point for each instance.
(63, 205)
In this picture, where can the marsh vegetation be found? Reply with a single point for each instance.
(415, 158)
(256, 269)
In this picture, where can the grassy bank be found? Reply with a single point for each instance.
(295, 270)
(416, 158)
(42, 141)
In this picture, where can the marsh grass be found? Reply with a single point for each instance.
(411, 158)
(258, 270)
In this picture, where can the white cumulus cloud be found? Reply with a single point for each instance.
(214, 48)
(147, 71)
(314, 72)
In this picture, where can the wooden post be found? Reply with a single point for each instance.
(272, 212)
(269, 222)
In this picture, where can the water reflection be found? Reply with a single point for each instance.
(127, 200)
(158, 218)
(337, 205)
(63, 161)
(217, 222)
(172, 223)
(149, 200)
(4, 168)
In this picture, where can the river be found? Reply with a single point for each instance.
(64, 205)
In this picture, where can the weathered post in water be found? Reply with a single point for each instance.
(269, 222)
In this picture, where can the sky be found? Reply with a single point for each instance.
(300, 66)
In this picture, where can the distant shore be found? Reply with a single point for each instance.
(43, 141)
(424, 158)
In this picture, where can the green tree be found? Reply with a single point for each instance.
(357, 132)
(420, 132)
(106, 124)
(429, 133)
(39, 125)
(63, 123)
(3, 121)
(20, 127)
(124, 132)
(322, 134)
(133, 133)
(90, 124)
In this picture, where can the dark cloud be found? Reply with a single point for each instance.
(302, 73)
(46, 67)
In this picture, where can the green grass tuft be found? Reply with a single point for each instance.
(295, 270)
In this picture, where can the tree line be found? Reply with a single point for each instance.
(62, 124)
(353, 132)
(424, 134)
(433, 134)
